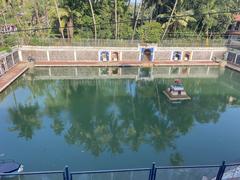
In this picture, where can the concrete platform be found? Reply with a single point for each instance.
(176, 98)
(11, 75)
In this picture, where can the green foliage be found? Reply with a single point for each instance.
(195, 18)
(150, 32)
(3, 48)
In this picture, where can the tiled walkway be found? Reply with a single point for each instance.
(12, 74)
(124, 63)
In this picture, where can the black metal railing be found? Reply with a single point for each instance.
(154, 173)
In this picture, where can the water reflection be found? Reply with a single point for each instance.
(25, 119)
(110, 115)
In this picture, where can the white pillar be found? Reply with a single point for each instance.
(191, 57)
(120, 55)
(75, 55)
(20, 55)
(211, 55)
(171, 58)
(48, 57)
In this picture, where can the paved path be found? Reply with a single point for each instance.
(12, 75)
(124, 63)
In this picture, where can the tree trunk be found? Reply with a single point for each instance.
(36, 12)
(70, 29)
(207, 42)
(136, 20)
(199, 34)
(116, 20)
(142, 12)
(170, 19)
(59, 20)
(37, 17)
(94, 20)
(47, 19)
(134, 13)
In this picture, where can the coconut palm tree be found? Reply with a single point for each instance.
(170, 19)
(208, 11)
(136, 20)
(116, 19)
(60, 21)
(94, 20)
(180, 19)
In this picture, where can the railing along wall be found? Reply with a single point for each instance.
(206, 172)
(8, 60)
(172, 42)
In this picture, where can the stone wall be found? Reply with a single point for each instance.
(59, 55)
(125, 54)
(163, 55)
(218, 54)
(38, 55)
(201, 55)
(130, 56)
(87, 55)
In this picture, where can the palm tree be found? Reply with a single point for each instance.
(61, 23)
(181, 19)
(116, 19)
(209, 20)
(136, 20)
(170, 19)
(36, 11)
(94, 20)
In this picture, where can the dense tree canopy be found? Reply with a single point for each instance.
(117, 19)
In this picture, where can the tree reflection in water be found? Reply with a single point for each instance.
(108, 115)
(25, 119)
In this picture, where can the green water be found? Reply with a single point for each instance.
(52, 117)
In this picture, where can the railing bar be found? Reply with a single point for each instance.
(187, 167)
(109, 171)
(32, 173)
(234, 164)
